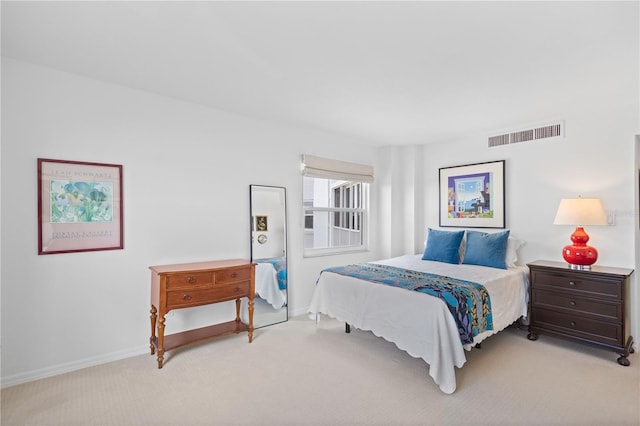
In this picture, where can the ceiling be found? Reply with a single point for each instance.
(385, 72)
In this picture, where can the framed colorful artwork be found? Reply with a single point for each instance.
(79, 206)
(473, 195)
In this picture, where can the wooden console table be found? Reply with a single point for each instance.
(194, 284)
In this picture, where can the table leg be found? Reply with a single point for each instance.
(237, 310)
(153, 329)
(161, 340)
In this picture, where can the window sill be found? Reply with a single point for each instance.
(333, 251)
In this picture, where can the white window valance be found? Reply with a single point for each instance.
(327, 168)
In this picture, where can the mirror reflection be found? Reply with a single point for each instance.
(269, 253)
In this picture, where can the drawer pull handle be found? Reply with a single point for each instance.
(234, 274)
(186, 296)
(573, 323)
(572, 283)
(572, 303)
(190, 279)
(237, 288)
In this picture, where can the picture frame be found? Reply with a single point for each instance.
(473, 195)
(80, 206)
(262, 223)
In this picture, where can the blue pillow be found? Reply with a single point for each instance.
(443, 246)
(486, 249)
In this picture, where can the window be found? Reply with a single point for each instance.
(335, 204)
(334, 215)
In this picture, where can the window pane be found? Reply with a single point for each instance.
(316, 191)
(308, 221)
(319, 235)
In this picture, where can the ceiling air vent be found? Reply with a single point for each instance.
(532, 134)
(499, 140)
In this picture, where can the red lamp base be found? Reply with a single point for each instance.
(580, 255)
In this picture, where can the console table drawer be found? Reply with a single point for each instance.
(575, 282)
(190, 280)
(596, 309)
(601, 331)
(186, 298)
(233, 275)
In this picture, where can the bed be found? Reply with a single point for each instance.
(419, 323)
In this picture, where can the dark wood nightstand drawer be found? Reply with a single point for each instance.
(601, 331)
(596, 309)
(578, 282)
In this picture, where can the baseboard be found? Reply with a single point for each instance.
(71, 366)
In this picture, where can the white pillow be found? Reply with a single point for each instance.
(512, 251)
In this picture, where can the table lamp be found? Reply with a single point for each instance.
(579, 212)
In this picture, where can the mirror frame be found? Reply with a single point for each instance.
(285, 242)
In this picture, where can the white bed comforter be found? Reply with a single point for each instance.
(418, 323)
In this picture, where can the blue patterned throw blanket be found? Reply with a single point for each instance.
(467, 301)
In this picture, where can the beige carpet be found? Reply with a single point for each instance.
(297, 373)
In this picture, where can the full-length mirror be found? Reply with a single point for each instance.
(269, 253)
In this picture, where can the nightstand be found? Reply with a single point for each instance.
(584, 306)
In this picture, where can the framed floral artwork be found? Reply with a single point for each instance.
(79, 206)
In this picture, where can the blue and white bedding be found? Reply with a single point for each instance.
(280, 266)
(267, 283)
(468, 302)
(418, 323)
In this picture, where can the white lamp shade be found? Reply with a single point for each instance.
(580, 211)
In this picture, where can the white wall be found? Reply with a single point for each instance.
(187, 171)
(595, 159)
(399, 203)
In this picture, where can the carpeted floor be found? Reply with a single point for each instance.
(300, 373)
